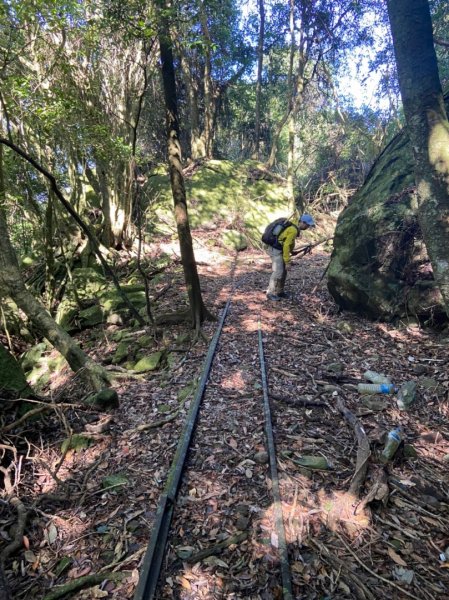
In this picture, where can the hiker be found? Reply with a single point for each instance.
(279, 238)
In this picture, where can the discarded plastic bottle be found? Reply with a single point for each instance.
(376, 377)
(376, 388)
(392, 444)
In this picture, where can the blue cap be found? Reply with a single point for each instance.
(308, 220)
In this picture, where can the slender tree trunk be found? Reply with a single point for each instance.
(197, 149)
(428, 127)
(260, 47)
(50, 283)
(208, 87)
(272, 158)
(290, 161)
(198, 310)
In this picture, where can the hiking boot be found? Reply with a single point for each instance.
(285, 295)
(273, 297)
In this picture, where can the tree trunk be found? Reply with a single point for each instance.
(260, 47)
(272, 158)
(428, 127)
(197, 149)
(208, 87)
(198, 310)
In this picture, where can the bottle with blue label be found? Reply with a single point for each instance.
(376, 388)
(393, 442)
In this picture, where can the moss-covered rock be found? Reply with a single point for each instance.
(188, 390)
(111, 301)
(145, 341)
(121, 353)
(379, 266)
(89, 317)
(104, 399)
(67, 313)
(149, 363)
(223, 191)
(32, 357)
(76, 442)
(89, 282)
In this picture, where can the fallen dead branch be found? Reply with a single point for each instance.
(154, 425)
(330, 558)
(298, 402)
(218, 548)
(363, 450)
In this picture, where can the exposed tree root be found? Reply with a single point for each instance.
(22, 516)
(79, 584)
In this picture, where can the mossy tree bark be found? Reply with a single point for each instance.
(428, 127)
(198, 310)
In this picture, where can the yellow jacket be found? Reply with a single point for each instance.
(287, 240)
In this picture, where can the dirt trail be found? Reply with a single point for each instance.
(311, 351)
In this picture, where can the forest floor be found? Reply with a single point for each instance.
(391, 545)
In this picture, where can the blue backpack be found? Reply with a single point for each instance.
(273, 230)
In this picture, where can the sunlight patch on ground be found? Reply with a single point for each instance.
(202, 253)
(234, 381)
(306, 513)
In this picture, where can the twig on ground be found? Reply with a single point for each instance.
(384, 579)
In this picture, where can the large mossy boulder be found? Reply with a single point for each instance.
(379, 265)
(224, 194)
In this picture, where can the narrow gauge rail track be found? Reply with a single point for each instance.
(241, 482)
(222, 543)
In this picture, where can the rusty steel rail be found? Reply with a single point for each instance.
(152, 562)
(151, 567)
(287, 591)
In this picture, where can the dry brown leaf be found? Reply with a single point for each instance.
(185, 583)
(397, 559)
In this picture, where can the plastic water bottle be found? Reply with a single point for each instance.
(376, 388)
(376, 377)
(392, 444)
